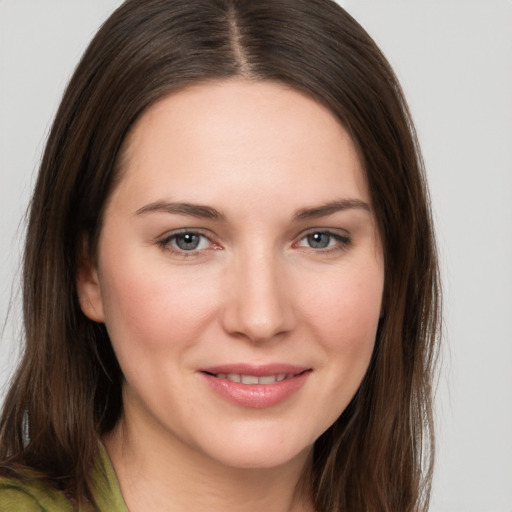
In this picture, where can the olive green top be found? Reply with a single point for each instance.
(33, 496)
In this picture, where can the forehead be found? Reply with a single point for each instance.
(212, 139)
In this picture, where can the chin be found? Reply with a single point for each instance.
(258, 451)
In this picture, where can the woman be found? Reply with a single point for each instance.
(230, 281)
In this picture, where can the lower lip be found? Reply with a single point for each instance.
(257, 396)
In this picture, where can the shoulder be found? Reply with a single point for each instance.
(31, 496)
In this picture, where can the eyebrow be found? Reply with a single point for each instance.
(330, 208)
(207, 212)
(194, 210)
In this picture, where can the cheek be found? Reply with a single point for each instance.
(344, 317)
(347, 308)
(347, 329)
(153, 311)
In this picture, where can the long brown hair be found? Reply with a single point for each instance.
(67, 390)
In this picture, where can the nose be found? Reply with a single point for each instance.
(258, 299)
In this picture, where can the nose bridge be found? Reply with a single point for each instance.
(258, 306)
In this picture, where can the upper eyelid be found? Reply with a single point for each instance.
(344, 239)
(183, 231)
(165, 243)
(167, 238)
(331, 231)
(213, 239)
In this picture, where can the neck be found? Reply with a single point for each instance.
(167, 475)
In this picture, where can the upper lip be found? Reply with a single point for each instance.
(258, 370)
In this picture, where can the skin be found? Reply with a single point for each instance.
(255, 291)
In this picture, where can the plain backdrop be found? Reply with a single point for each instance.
(454, 59)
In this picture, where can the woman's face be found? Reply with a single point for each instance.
(239, 273)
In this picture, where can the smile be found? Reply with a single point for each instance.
(256, 386)
(254, 379)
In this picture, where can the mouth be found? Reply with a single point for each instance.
(256, 386)
(252, 380)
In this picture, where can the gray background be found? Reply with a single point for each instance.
(454, 59)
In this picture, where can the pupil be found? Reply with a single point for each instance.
(187, 242)
(318, 240)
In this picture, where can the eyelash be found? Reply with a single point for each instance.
(341, 242)
(166, 243)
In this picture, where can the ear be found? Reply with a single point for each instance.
(88, 285)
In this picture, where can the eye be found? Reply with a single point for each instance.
(324, 240)
(185, 241)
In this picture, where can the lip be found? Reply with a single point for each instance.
(259, 370)
(257, 396)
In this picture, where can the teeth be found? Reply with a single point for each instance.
(269, 379)
(253, 379)
(249, 379)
